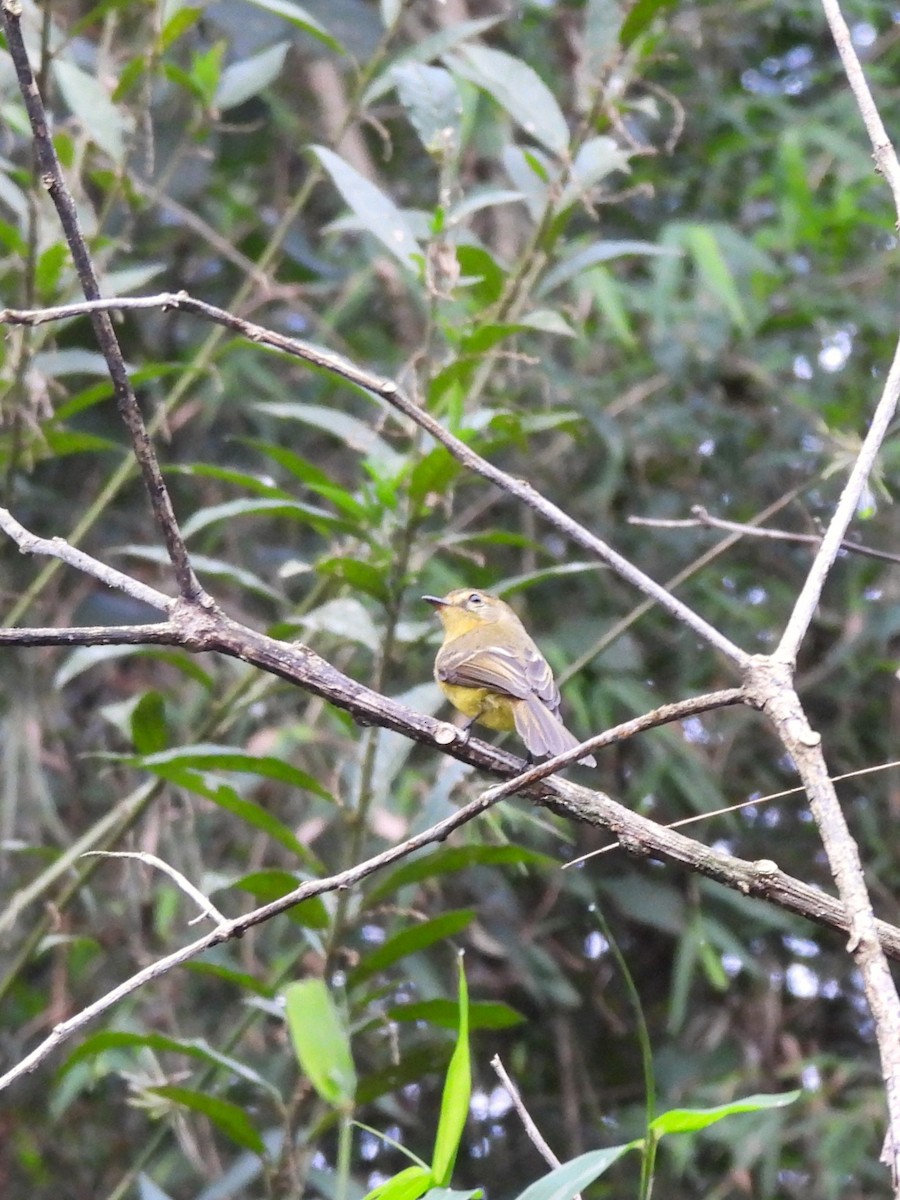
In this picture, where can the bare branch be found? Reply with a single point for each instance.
(57, 547)
(882, 148)
(206, 906)
(534, 1134)
(705, 520)
(833, 538)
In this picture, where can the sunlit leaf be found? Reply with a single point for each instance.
(456, 1095)
(689, 1120)
(408, 1184)
(321, 1041)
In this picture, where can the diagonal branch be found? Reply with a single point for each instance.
(389, 391)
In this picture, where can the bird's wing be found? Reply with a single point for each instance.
(510, 673)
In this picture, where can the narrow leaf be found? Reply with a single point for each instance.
(408, 941)
(86, 97)
(250, 76)
(376, 211)
(299, 16)
(518, 89)
(227, 1117)
(457, 1094)
(566, 1181)
(689, 1120)
(321, 1041)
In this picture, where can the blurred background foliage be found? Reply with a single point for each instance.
(637, 255)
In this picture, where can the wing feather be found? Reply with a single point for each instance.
(519, 674)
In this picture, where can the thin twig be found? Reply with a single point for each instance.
(733, 808)
(705, 520)
(534, 1134)
(206, 906)
(30, 543)
(882, 149)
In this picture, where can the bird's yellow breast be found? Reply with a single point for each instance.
(488, 708)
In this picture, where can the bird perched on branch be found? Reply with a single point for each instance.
(490, 669)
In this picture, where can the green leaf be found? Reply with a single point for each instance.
(250, 76)
(599, 252)
(408, 941)
(231, 510)
(220, 568)
(182, 20)
(148, 724)
(321, 1041)
(315, 479)
(433, 105)
(433, 474)
(345, 618)
(639, 18)
(445, 1014)
(227, 1117)
(240, 979)
(478, 199)
(302, 19)
(567, 1180)
(359, 575)
(448, 859)
(531, 174)
(376, 212)
(196, 1048)
(548, 321)
(100, 119)
(209, 756)
(441, 1193)
(205, 72)
(425, 50)
(597, 158)
(266, 886)
(356, 434)
(689, 1120)
(518, 89)
(408, 1184)
(49, 267)
(715, 272)
(456, 1096)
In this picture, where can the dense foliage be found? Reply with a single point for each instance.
(637, 255)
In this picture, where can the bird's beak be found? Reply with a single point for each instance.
(435, 600)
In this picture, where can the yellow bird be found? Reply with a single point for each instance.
(489, 668)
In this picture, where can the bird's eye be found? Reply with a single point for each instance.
(475, 598)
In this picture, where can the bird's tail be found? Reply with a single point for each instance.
(543, 733)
